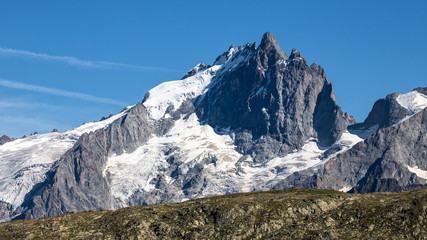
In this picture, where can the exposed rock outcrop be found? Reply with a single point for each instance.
(380, 163)
(4, 139)
(385, 112)
(272, 101)
(77, 182)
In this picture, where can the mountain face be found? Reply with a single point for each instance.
(394, 158)
(271, 100)
(393, 108)
(257, 119)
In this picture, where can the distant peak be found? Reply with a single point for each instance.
(5, 139)
(295, 54)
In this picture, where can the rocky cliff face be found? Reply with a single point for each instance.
(385, 112)
(76, 182)
(392, 109)
(392, 159)
(272, 100)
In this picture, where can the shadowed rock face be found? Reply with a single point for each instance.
(4, 139)
(385, 112)
(377, 164)
(422, 90)
(273, 97)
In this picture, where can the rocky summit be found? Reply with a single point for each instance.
(257, 119)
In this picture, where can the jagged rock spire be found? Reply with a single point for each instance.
(271, 47)
(265, 98)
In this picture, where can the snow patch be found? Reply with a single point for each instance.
(345, 189)
(413, 101)
(365, 133)
(403, 119)
(419, 172)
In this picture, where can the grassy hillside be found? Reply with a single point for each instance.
(291, 214)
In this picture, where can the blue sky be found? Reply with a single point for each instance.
(63, 63)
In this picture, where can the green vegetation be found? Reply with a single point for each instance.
(291, 214)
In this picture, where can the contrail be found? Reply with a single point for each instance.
(58, 92)
(73, 61)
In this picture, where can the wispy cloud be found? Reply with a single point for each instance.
(26, 105)
(73, 61)
(58, 92)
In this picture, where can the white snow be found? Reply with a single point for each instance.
(345, 189)
(230, 172)
(226, 57)
(132, 172)
(172, 94)
(235, 58)
(413, 101)
(24, 162)
(419, 172)
(403, 119)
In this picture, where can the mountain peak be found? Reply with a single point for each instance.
(5, 139)
(295, 54)
(268, 38)
(269, 44)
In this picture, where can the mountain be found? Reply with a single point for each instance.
(291, 214)
(4, 139)
(271, 101)
(256, 119)
(394, 158)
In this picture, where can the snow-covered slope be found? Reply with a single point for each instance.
(24, 162)
(190, 143)
(228, 172)
(413, 101)
(169, 96)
